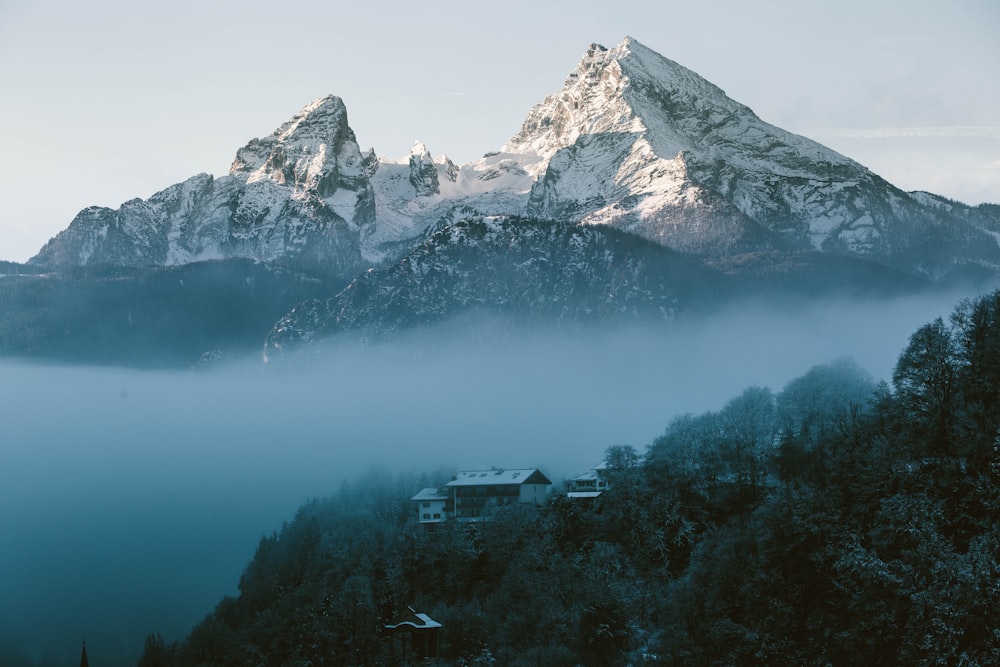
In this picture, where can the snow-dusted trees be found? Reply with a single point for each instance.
(686, 460)
(749, 432)
(815, 411)
(621, 458)
(976, 334)
(732, 448)
(817, 406)
(924, 380)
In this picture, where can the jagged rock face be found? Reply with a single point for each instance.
(512, 267)
(300, 196)
(423, 172)
(315, 153)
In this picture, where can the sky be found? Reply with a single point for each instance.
(109, 100)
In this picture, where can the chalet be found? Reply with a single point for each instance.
(473, 495)
(590, 485)
(433, 505)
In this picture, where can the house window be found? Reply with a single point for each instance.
(426, 515)
(426, 504)
(437, 516)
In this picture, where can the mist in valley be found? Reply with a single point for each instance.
(130, 501)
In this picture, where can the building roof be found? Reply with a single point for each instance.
(430, 493)
(499, 476)
(413, 619)
(593, 473)
(583, 494)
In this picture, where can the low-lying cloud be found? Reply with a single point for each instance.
(131, 501)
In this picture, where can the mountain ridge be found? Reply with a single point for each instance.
(532, 272)
(299, 196)
(632, 140)
(634, 154)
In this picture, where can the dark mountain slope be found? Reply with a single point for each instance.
(147, 318)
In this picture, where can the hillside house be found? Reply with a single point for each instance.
(433, 505)
(475, 494)
(590, 485)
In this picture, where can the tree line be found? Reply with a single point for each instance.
(837, 521)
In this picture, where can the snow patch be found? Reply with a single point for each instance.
(344, 203)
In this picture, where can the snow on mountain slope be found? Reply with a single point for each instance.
(635, 141)
(632, 140)
(300, 196)
(638, 142)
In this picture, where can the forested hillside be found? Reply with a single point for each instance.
(837, 521)
(147, 317)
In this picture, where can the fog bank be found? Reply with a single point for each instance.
(131, 501)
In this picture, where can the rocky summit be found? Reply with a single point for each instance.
(637, 142)
(300, 196)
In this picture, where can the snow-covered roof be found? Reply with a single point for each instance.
(594, 473)
(412, 619)
(499, 476)
(583, 494)
(430, 493)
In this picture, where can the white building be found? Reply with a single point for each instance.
(433, 505)
(589, 485)
(475, 494)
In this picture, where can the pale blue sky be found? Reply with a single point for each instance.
(104, 101)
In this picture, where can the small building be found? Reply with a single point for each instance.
(589, 485)
(433, 505)
(473, 495)
(414, 635)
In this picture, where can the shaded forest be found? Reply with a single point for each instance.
(839, 521)
(158, 317)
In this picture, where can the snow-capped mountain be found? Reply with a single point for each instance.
(300, 196)
(632, 141)
(637, 142)
(638, 191)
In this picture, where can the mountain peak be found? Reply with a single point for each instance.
(590, 102)
(628, 89)
(320, 119)
(419, 149)
(637, 141)
(423, 173)
(304, 151)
